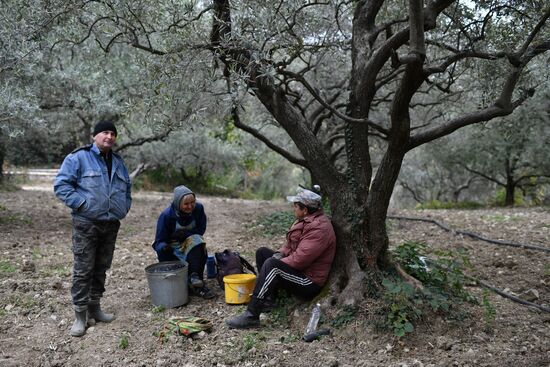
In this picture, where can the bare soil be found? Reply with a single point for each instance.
(36, 312)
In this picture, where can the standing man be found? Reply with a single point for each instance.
(301, 266)
(93, 181)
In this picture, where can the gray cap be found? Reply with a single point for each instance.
(306, 197)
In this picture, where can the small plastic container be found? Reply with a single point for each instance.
(314, 319)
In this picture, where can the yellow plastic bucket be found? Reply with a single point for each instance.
(238, 288)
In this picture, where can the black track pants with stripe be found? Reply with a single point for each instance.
(274, 274)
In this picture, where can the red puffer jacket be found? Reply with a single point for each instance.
(310, 247)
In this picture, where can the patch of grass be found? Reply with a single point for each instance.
(499, 218)
(7, 267)
(275, 224)
(36, 253)
(57, 269)
(436, 204)
(22, 300)
(285, 303)
(250, 341)
(7, 217)
(344, 316)
(547, 270)
(489, 312)
(158, 309)
(123, 341)
(290, 338)
(6, 186)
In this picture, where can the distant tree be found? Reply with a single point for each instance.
(510, 152)
(428, 175)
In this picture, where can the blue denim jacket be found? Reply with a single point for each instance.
(82, 183)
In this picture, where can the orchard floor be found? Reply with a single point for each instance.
(36, 312)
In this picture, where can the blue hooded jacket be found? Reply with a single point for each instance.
(172, 219)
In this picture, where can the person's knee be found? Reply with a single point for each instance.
(262, 250)
(272, 263)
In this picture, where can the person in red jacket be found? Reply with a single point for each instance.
(301, 266)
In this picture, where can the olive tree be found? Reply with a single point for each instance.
(408, 72)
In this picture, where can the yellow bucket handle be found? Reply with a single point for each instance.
(235, 290)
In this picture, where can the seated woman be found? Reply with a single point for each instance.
(179, 237)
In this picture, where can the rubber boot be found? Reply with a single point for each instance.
(245, 320)
(94, 312)
(79, 325)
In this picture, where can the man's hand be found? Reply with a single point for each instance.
(277, 256)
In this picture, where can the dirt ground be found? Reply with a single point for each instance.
(36, 312)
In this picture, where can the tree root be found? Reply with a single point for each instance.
(348, 291)
(495, 289)
(473, 235)
(509, 296)
(415, 283)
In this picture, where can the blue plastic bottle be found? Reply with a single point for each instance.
(211, 267)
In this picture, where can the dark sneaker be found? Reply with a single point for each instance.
(245, 320)
(195, 281)
(203, 292)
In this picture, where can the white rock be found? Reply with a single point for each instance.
(531, 295)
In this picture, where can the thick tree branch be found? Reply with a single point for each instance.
(413, 192)
(461, 56)
(302, 80)
(258, 135)
(481, 174)
(149, 49)
(455, 124)
(138, 142)
(523, 50)
(274, 98)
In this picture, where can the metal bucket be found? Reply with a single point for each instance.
(168, 283)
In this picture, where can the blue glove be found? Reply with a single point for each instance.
(163, 247)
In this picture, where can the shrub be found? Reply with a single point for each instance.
(500, 197)
(443, 282)
(274, 224)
